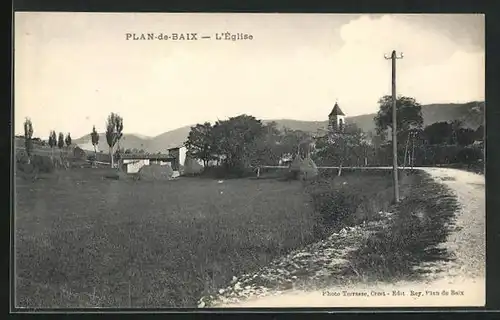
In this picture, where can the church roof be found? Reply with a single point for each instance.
(336, 111)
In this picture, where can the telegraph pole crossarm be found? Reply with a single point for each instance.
(394, 57)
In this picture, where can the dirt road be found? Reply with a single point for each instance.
(469, 242)
(461, 283)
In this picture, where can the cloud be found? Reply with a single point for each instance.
(382, 35)
(460, 78)
(434, 68)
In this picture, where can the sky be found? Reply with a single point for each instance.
(71, 70)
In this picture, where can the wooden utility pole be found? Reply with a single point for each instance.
(393, 58)
(412, 149)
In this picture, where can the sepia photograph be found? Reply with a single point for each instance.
(248, 160)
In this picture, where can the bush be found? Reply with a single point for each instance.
(22, 157)
(39, 163)
(469, 155)
(334, 206)
(26, 171)
(350, 199)
(43, 164)
(424, 155)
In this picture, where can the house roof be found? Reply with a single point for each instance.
(336, 111)
(88, 146)
(165, 157)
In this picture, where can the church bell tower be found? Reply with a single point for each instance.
(336, 119)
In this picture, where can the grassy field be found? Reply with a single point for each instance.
(82, 241)
(85, 241)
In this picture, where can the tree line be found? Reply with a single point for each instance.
(243, 141)
(440, 143)
(54, 140)
(114, 132)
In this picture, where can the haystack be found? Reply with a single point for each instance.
(303, 168)
(295, 164)
(79, 153)
(191, 166)
(156, 172)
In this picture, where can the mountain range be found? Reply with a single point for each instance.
(471, 114)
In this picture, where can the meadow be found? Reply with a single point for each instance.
(85, 241)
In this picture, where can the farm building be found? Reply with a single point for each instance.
(180, 155)
(132, 163)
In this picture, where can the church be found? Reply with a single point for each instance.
(307, 147)
(336, 119)
(336, 124)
